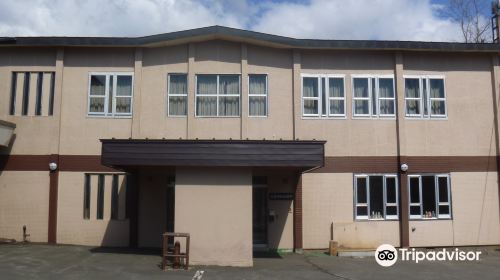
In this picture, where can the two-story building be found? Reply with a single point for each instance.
(249, 141)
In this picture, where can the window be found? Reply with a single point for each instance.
(429, 196)
(375, 197)
(32, 93)
(323, 96)
(373, 96)
(110, 94)
(425, 97)
(217, 95)
(257, 95)
(177, 95)
(110, 194)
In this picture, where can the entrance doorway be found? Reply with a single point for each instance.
(259, 200)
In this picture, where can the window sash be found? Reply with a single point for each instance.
(425, 100)
(110, 95)
(218, 95)
(374, 97)
(385, 204)
(437, 203)
(324, 96)
(172, 95)
(257, 96)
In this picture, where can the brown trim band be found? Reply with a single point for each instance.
(375, 164)
(71, 163)
(417, 164)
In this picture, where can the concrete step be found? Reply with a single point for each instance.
(355, 253)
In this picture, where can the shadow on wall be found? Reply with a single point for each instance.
(5, 151)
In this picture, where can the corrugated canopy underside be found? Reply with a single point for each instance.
(125, 153)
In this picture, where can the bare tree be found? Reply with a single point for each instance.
(475, 27)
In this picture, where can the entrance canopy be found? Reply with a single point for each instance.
(132, 153)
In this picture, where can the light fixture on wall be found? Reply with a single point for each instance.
(52, 166)
(404, 167)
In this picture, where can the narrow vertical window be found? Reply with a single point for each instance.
(100, 197)
(376, 197)
(336, 97)
(26, 93)
(361, 197)
(86, 197)
(114, 197)
(361, 97)
(13, 89)
(257, 95)
(310, 96)
(39, 84)
(51, 96)
(386, 97)
(413, 97)
(177, 94)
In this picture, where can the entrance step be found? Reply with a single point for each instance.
(356, 253)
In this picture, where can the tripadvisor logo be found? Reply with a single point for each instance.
(386, 255)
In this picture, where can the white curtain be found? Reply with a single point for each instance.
(229, 106)
(206, 105)
(386, 90)
(361, 90)
(310, 89)
(257, 86)
(336, 90)
(229, 84)
(412, 90)
(178, 86)
(97, 88)
(437, 91)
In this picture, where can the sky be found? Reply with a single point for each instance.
(421, 20)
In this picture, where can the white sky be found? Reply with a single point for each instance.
(322, 19)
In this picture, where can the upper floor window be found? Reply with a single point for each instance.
(323, 96)
(373, 96)
(217, 95)
(177, 94)
(257, 95)
(425, 97)
(430, 196)
(376, 197)
(110, 94)
(32, 93)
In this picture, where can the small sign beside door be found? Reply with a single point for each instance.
(281, 196)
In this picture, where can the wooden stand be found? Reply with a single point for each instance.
(166, 253)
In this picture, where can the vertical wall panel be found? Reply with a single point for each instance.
(93, 197)
(108, 184)
(19, 93)
(46, 93)
(122, 196)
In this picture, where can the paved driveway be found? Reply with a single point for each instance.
(76, 262)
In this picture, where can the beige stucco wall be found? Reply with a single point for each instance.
(328, 198)
(476, 214)
(80, 134)
(72, 228)
(24, 200)
(215, 207)
(469, 128)
(348, 136)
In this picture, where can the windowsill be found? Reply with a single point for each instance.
(431, 219)
(390, 118)
(376, 220)
(426, 118)
(108, 117)
(323, 118)
(217, 117)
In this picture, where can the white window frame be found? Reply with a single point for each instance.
(436, 190)
(217, 95)
(177, 95)
(426, 79)
(113, 113)
(321, 114)
(266, 95)
(367, 204)
(373, 79)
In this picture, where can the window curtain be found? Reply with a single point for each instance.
(412, 90)
(206, 105)
(386, 90)
(123, 94)
(229, 105)
(257, 86)
(361, 91)
(437, 91)
(178, 104)
(310, 89)
(336, 90)
(97, 88)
